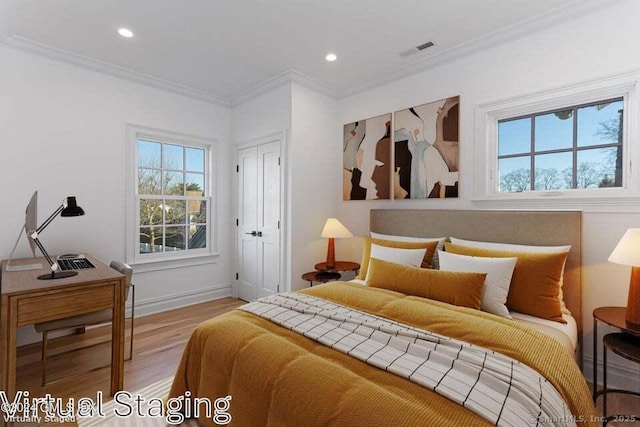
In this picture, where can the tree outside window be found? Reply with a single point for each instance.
(577, 147)
(172, 197)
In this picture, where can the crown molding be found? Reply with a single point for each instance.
(534, 25)
(571, 11)
(310, 83)
(289, 76)
(274, 82)
(286, 77)
(51, 52)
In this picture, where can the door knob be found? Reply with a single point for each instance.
(259, 233)
(253, 233)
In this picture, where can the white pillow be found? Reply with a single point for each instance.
(496, 284)
(511, 247)
(520, 248)
(412, 257)
(435, 264)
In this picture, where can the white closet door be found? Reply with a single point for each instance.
(258, 223)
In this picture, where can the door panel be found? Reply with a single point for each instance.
(269, 184)
(271, 269)
(247, 289)
(249, 176)
(247, 223)
(259, 184)
(269, 221)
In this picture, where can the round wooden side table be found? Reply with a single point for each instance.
(321, 276)
(340, 266)
(615, 317)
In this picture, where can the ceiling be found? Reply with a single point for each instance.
(226, 47)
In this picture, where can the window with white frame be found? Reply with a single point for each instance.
(172, 193)
(575, 147)
(566, 143)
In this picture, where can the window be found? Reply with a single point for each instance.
(565, 147)
(171, 197)
(578, 147)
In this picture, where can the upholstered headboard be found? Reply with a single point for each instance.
(542, 228)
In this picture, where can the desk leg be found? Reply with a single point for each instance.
(117, 339)
(595, 359)
(4, 343)
(8, 333)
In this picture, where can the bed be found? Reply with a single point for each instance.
(279, 377)
(543, 228)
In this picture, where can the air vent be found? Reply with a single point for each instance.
(424, 46)
(416, 49)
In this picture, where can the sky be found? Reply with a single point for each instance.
(551, 132)
(175, 157)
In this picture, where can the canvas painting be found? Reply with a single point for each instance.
(367, 159)
(426, 150)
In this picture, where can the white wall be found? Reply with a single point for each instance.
(263, 115)
(62, 132)
(590, 47)
(260, 117)
(312, 172)
(316, 174)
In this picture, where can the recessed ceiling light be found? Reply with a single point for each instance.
(125, 32)
(331, 57)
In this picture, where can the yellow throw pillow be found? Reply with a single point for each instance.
(366, 252)
(463, 289)
(535, 284)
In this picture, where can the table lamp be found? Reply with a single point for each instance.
(69, 207)
(627, 252)
(333, 229)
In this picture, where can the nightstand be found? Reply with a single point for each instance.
(340, 266)
(625, 344)
(321, 276)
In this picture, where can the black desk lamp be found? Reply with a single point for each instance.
(69, 207)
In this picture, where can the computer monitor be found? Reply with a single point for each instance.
(31, 220)
(30, 224)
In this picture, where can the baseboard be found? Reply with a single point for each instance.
(619, 376)
(169, 302)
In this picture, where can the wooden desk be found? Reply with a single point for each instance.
(27, 300)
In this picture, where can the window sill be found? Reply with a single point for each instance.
(603, 204)
(171, 263)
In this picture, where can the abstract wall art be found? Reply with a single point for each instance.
(426, 150)
(367, 159)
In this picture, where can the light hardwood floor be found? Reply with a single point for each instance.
(159, 340)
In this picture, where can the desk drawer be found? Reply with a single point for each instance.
(65, 303)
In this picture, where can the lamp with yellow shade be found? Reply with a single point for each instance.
(333, 229)
(627, 252)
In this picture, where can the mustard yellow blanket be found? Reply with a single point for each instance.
(279, 378)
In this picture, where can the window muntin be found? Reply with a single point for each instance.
(577, 147)
(172, 198)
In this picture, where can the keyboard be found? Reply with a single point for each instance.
(74, 264)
